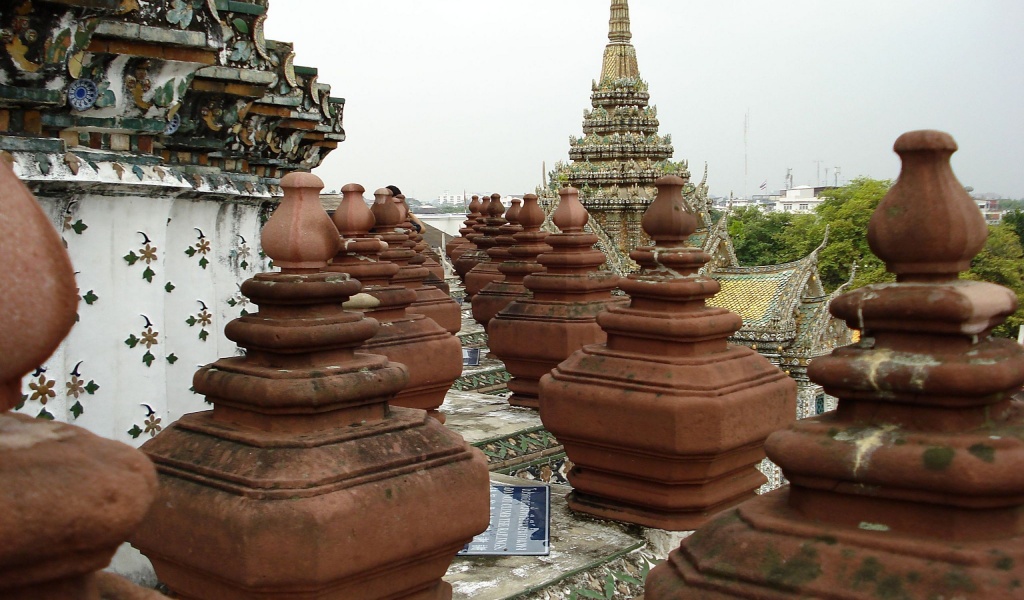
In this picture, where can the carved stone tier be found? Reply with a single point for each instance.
(665, 423)
(474, 253)
(302, 474)
(913, 487)
(532, 335)
(68, 498)
(430, 301)
(424, 255)
(485, 309)
(432, 355)
(521, 261)
(457, 245)
(486, 270)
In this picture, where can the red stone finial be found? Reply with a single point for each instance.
(385, 211)
(667, 221)
(474, 204)
(531, 215)
(299, 236)
(917, 475)
(39, 294)
(353, 217)
(570, 216)
(927, 227)
(403, 208)
(677, 392)
(495, 209)
(512, 214)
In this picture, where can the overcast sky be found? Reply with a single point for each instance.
(476, 95)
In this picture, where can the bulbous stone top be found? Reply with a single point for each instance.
(512, 214)
(667, 220)
(927, 227)
(39, 292)
(474, 205)
(353, 217)
(403, 208)
(385, 211)
(570, 216)
(495, 209)
(531, 215)
(299, 235)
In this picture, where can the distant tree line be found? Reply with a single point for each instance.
(777, 237)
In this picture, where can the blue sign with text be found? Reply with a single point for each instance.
(520, 523)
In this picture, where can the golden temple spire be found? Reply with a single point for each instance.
(618, 25)
(619, 56)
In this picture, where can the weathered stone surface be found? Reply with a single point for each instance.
(522, 232)
(430, 301)
(457, 245)
(913, 487)
(302, 473)
(432, 355)
(532, 335)
(473, 253)
(486, 269)
(665, 422)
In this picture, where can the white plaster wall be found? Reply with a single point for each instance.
(129, 393)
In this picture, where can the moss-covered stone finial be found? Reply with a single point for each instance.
(927, 227)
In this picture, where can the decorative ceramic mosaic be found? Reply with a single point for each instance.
(550, 469)
(479, 380)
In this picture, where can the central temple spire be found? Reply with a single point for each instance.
(618, 25)
(619, 56)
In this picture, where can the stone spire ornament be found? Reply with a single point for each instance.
(432, 355)
(302, 482)
(475, 254)
(521, 261)
(457, 245)
(665, 422)
(430, 301)
(486, 306)
(913, 487)
(562, 311)
(486, 270)
(68, 498)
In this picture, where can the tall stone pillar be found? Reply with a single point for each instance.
(302, 482)
(520, 262)
(430, 301)
(665, 423)
(486, 270)
(532, 335)
(432, 355)
(457, 245)
(914, 486)
(68, 498)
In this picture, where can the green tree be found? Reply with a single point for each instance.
(1015, 220)
(756, 235)
(1001, 261)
